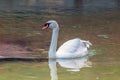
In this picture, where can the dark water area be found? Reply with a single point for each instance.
(80, 7)
(21, 37)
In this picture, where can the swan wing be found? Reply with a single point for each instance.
(73, 48)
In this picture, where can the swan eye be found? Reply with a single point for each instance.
(46, 25)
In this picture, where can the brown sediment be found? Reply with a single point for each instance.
(24, 35)
(9, 50)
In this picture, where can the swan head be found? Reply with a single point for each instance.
(50, 24)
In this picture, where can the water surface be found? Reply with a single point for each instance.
(96, 21)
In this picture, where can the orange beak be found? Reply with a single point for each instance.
(44, 27)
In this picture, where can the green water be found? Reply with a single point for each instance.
(106, 70)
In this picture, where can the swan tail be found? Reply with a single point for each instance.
(86, 43)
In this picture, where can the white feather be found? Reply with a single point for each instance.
(73, 48)
(70, 49)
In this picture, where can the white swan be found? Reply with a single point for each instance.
(70, 49)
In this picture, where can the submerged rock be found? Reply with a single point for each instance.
(103, 36)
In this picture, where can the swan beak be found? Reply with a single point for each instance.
(44, 27)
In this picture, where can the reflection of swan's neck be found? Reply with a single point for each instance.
(53, 45)
(53, 69)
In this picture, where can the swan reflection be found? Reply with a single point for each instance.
(53, 69)
(70, 64)
(74, 64)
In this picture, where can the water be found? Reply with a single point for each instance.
(73, 65)
(21, 35)
(84, 7)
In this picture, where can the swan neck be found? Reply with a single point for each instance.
(53, 45)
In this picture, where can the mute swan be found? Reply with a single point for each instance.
(70, 49)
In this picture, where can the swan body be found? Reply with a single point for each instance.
(71, 49)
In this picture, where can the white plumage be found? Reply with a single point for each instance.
(73, 48)
(70, 49)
